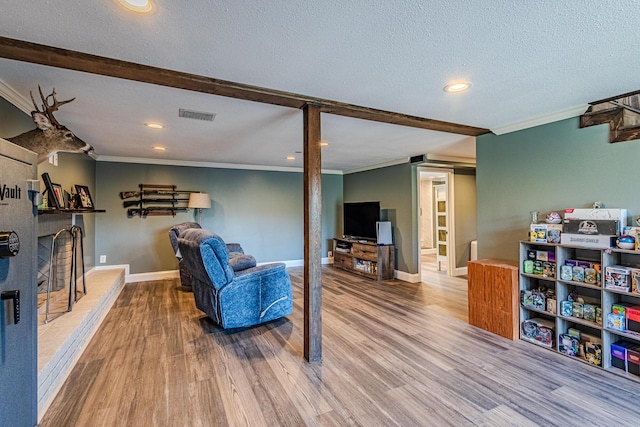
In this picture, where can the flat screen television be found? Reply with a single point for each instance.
(360, 220)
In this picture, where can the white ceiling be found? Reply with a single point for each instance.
(529, 62)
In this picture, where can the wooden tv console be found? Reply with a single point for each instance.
(364, 258)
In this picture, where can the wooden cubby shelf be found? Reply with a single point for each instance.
(596, 294)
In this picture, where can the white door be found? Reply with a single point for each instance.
(442, 225)
(426, 216)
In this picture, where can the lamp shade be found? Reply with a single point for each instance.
(199, 201)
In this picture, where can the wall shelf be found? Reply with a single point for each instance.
(68, 211)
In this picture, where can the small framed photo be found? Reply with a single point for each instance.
(84, 196)
(52, 199)
(58, 195)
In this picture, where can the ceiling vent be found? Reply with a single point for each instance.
(196, 115)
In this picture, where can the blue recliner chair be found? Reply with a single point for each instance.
(238, 258)
(174, 232)
(233, 299)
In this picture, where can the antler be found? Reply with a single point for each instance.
(47, 108)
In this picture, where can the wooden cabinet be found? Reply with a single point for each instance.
(493, 296)
(364, 258)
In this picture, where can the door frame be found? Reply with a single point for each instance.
(451, 255)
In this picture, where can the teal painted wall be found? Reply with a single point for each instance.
(465, 210)
(548, 168)
(13, 121)
(262, 210)
(395, 188)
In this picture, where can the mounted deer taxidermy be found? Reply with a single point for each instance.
(49, 137)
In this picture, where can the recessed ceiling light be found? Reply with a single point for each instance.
(140, 6)
(291, 157)
(457, 87)
(153, 125)
(159, 148)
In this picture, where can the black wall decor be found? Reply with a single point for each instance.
(155, 200)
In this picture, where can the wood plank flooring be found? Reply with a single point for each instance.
(393, 356)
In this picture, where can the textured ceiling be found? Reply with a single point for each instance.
(526, 60)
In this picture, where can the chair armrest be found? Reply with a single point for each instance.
(251, 273)
(234, 247)
(239, 261)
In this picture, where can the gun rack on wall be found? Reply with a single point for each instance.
(155, 200)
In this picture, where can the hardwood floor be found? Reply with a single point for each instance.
(392, 357)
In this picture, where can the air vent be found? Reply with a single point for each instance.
(417, 159)
(196, 115)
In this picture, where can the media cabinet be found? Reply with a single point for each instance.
(364, 258)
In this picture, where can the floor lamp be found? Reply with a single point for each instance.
(199, 201)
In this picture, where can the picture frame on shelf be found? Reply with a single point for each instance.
(67, 200)
(57, 195)
(84, 196)
(48, 190)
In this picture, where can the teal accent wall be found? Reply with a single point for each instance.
(396, 189)
(548, 168)
(13, 121)
(465, 210)
(262, 210)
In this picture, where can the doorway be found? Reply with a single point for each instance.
(435, 223)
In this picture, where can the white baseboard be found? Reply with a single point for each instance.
(298, 262)
(111, 267)
(460, 271)
(175, 274)
(152, 276)
(407, 277)
(142, 277)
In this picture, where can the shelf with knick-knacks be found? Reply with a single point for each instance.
(582, 302)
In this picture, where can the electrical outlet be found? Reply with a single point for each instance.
(103, 259)
(330, 254)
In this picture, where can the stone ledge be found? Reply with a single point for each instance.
(62, 341)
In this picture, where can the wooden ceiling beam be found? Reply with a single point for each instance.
(72, 60)
(613, 98)
(365, 113)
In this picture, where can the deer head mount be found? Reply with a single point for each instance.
(50, 136)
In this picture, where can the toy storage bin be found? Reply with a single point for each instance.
(633, 360)
(540, 331)
(619, 354)
(633, 318)
(617, 277)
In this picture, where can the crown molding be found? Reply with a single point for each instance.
(19, 101)
(574, 111)
(165, 162)
(451, 159)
